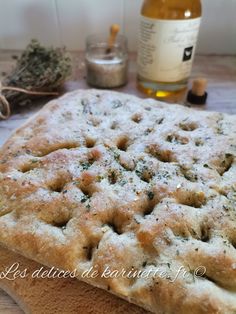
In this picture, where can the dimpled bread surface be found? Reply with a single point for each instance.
(106, 181)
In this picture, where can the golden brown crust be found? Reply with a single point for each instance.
(56, 295)
(104, 179)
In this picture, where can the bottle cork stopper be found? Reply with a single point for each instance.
(198, 95)
(199, 86)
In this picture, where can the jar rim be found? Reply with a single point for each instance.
(101, 39)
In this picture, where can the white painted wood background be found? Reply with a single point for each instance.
(68, 22)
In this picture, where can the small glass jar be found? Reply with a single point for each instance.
(107, 66)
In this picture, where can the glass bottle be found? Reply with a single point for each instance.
(167, 41)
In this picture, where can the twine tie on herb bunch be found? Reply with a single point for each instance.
(6, 110)
(39, 71)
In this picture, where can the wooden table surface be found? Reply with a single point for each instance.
(220, 72)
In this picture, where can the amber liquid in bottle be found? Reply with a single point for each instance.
(167, 41)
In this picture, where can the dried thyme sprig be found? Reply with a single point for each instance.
(38, 69)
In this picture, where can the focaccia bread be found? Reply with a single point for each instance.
(138, 196)
(55, 295)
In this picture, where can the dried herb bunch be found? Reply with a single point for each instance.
(38, 69)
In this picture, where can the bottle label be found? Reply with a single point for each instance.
(166, 48)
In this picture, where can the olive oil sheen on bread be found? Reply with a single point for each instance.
(168, 35)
